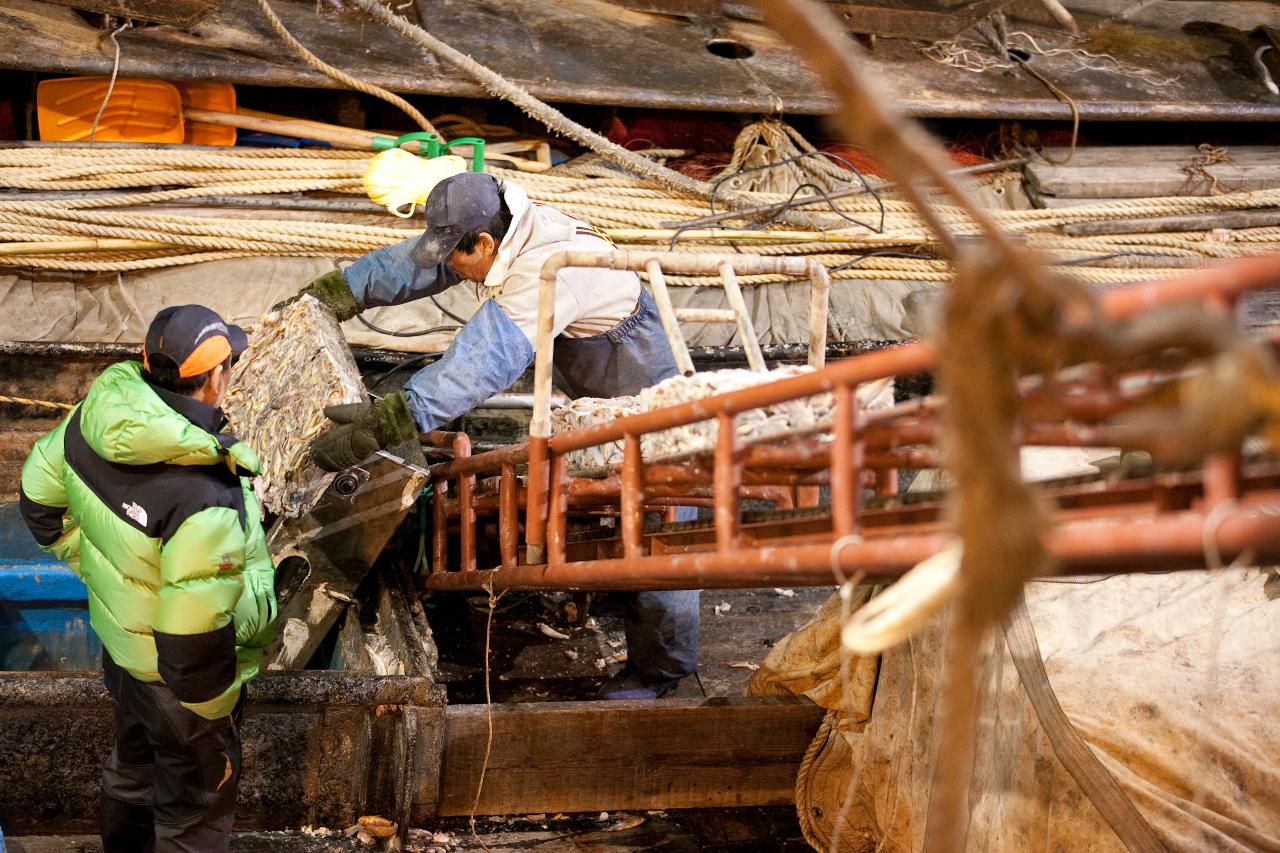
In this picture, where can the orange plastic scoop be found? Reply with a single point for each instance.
(219, 97)
(139, 110)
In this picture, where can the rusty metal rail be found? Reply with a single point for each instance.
(1160, 521)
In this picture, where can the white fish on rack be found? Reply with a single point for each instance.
(794, 417)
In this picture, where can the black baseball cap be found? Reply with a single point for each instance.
(194, 338)
(458, 205)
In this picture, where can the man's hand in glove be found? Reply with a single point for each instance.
(365, 429)
(332, 291)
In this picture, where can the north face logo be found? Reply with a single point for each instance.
(137, 513)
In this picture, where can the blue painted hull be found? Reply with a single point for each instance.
(44, 618)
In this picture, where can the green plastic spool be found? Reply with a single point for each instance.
(430, 145)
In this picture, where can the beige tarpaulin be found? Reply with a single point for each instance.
(111, 307)
(1169, 678)
(860, 311)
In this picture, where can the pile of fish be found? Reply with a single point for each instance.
(297, 363)
(753, 425)
(588, 412)
(789, 418)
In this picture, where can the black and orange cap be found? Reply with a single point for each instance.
(456, 206)
(194, 338)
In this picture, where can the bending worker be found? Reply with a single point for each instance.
(610, 343)
(139, 492)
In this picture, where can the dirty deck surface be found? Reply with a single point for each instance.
(528, 663)
(720, 830)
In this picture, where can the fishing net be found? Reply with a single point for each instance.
(297, 363)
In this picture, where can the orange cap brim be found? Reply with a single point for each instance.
(205, 357)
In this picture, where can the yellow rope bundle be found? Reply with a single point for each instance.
(400, 181)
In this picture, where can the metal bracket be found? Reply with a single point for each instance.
(348, 484)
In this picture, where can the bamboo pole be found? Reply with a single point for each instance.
(87, 244)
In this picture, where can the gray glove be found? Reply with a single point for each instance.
(332, 291)
(365, 429)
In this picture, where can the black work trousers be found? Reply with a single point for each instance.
(170, 783)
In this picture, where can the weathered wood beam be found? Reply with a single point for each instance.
(180, 13)
(600, 756)
(350, 652)
(927, 21)
(340, 539)
(635, 59)
(1144, 171)
(1184, 222)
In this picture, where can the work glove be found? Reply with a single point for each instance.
(332, 291)
(366, 428)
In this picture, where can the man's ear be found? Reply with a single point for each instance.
(487, 243)
(214, 386)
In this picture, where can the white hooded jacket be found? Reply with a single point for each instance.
(588, 301)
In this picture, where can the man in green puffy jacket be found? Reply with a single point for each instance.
(139, 492)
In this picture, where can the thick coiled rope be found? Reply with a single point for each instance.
(101, 182)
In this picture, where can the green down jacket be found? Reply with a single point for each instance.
(138, 493)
